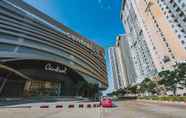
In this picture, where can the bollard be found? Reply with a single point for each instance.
(71, 106)
(88, 105)
(59, 106)
(44, 106)
(81, 105)
(95, 105)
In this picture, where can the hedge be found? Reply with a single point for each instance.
(165, 98)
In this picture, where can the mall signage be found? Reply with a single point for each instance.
(83, 42)
(89, 44)
(56, 68)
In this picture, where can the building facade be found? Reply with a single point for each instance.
(156, 30)
(140, 53)
(118, 75)
(40, 56)
(163, 21)
(127, 63)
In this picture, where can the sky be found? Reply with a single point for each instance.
(98, 20)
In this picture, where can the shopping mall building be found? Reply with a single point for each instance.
(41, 57)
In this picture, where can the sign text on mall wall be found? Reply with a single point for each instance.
(56, 68)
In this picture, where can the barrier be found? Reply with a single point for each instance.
(59, 106)
(70, 106)
(44, 106)
(81, 105)
(88, 105)
(94, 105)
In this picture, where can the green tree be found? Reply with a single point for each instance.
(170, 80)
(121, 92)
(114, 93)
(133, 89)
(118, 93)
(147, 85)
(181, 70)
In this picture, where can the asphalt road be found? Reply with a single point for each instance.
(138, 109)
(124, 109)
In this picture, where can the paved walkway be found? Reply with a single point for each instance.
(49, 113)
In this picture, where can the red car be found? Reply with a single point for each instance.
(106, 102)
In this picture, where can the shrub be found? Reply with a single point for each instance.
(165, 98)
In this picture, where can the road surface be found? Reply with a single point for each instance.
(137, 109)
(124, 109)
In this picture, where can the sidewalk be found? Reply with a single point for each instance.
(32, 100)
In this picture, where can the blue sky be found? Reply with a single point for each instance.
(98, 20)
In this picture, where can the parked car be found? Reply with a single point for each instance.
(106, 102)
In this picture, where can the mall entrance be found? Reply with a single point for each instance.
(42, 78)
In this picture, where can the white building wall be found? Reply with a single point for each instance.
(139, 50)
(128, 65)
(117, 70)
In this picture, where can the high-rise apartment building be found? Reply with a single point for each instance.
(141, 56)
(163, 24)
(118, 73)
(157, 33)
(127, 63)
(175, 13)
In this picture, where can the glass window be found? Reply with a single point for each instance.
(179, 36)
(175, 20)
(182, 30)
(7, 47)
(183, 5)
(181, 14)
(166, 59)
(174, 5)
(184, 19)
(178, 9)
(28, 50)
(167, 44)
(182, 41)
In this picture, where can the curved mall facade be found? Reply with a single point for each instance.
(39, 56)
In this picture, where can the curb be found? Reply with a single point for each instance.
(164, 102)
(71, 106)
(60, 106)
